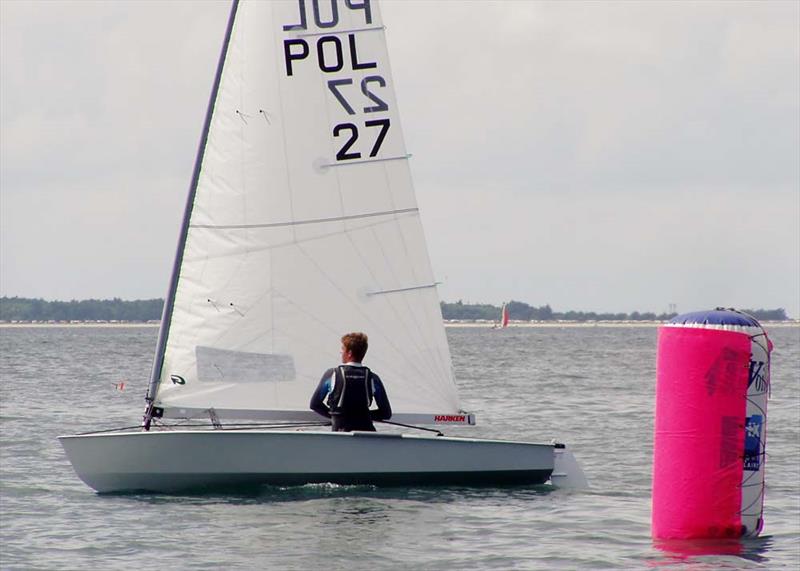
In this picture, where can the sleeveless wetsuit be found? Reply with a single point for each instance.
(350, 399)
(345, 394)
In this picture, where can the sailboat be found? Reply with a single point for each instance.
(503, 323)
(300, 225)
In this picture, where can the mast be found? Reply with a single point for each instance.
(166, 316)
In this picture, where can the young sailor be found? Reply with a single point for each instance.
(345, 393)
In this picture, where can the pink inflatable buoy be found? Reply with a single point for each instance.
(712, 385)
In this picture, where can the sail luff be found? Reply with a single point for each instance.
(166, 315)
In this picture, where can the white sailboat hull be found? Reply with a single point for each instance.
(172, 461)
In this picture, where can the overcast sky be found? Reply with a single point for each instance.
(593, 156)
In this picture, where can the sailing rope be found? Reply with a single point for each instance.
(438, 432)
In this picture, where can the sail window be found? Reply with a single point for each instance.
(222, 365)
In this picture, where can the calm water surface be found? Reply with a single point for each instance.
(590, 387)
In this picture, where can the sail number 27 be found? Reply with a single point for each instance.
(335, 54)
(375, 104)
(344, 153)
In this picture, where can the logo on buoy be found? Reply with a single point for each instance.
(752, 443)
(757, 375)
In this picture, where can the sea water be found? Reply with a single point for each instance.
(591, 387)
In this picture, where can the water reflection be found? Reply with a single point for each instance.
(703, 552)
(268, 494)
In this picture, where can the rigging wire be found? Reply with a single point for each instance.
(239, 426)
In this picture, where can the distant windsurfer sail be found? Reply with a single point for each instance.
(503, 322)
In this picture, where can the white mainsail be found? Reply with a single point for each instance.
(302, 226)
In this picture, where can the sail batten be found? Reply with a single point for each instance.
(301, 222)
(361, 162)
(402, 289)
(283, 254)
(353, 30)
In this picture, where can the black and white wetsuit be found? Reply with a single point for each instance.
(345, 394)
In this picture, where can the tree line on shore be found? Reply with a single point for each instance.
(24, 309)
(521, 311)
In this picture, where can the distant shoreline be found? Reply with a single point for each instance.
(82, 324)
(28, 310)
(448, 324)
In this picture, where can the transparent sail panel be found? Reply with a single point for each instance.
(304, 225)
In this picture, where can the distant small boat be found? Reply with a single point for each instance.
(503, 323)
